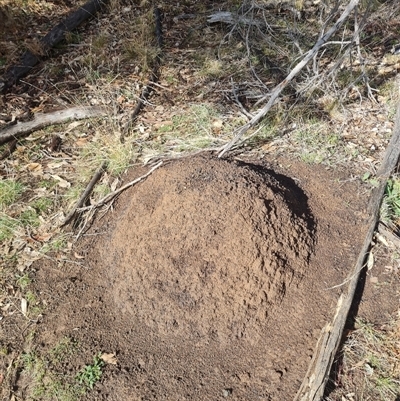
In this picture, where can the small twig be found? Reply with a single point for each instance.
(115, 193)
(85, 194)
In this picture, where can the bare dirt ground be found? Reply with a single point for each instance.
(211, 279)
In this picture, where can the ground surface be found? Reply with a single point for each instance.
(212, 278)
(209, 278)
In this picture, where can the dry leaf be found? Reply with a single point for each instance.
(77, 256)
(114, 184)
(382, 239)
(53, 166)
(42, 237)
(81, 142)
(30, 255)
(24, 306)
(109, 358)
(217, 126)
(35, 168)
(121, 99)
(61, 182)
(370, 262)
(73, 125)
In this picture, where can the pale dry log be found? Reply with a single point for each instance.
(42, 120)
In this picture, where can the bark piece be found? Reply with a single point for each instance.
(11, 148)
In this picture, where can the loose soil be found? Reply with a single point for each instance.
(209, 280)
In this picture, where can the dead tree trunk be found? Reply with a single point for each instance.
(55, 36)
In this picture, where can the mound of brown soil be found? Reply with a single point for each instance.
(209, 281)
(207, 248)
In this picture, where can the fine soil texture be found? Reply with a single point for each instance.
(209, 280)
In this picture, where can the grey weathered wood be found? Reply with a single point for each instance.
(313, 386)
(42, 120)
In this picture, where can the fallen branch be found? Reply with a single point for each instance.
(115, 193)
(55, 36)
(282, 85)
(42, 120)
(313, 386)
(88, 190)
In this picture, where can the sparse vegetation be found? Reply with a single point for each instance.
(46, 383)
(7, 227)
(91, 374)
(10, 190)
(390, 210)
(23, 281)
(370, 363)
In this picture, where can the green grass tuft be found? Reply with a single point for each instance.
(10, 190)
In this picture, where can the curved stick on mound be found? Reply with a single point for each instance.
(86, 193)
(55, 36)
(108, 198)
(313, 386)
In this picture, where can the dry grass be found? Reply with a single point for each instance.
(369, 368)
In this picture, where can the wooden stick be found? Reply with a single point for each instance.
(115, 193)
(85, 194)
(313, 386)
(42, 120)
(282, 85)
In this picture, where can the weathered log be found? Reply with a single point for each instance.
(313, 386)
(42, 120)
(55, 36)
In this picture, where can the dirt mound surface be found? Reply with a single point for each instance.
(207, 248)
(208, 280)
